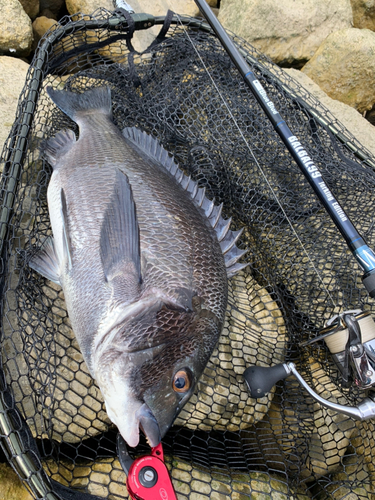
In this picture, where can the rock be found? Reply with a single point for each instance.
(160, 7)
(331, 437)
(289, 32)
(88, 6)
(344, 67)
(78, 406)
(353, 121)
(267, 440)
(359, 470)
(157, 8)
(16, 34)
(40, 26)
(142, 38)
(11, 487)
(53, 6)
(370, 116)
(363, 14)
(31, 7)
(48, 13)
(12, 78)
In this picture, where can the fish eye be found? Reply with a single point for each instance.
(182, 380)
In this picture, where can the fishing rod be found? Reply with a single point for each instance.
(349, 336)
(357, 245)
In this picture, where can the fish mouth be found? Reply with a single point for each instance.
(149, 425)
(145, 420)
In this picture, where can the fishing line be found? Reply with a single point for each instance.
(257, 163)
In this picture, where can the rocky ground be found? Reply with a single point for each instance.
(11, 487)
(328, 47)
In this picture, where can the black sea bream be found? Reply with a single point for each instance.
(143, 258)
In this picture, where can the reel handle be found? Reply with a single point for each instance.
(261, 379)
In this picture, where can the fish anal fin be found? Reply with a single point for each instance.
(119, 239)
(57, 146)
(45, 261)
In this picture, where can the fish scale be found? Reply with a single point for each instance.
(136, 250)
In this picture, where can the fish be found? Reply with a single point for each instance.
(143, 258)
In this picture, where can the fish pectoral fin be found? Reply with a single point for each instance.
(57, 146)
(45, 261)
(119, 238)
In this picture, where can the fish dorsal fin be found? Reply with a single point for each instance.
(57, 146)
(119, 240)
(146, 144)
(45, 261)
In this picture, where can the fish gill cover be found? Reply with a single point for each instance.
(224, 444)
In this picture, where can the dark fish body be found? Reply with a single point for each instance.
(136, 250)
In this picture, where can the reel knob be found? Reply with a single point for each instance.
(261, 379)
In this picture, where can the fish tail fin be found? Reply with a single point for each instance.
(73, 104)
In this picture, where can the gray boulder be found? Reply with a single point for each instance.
(16, 33)
(344, 67)
(289, 32)
(12, 79)
(31, 7)
(87, 6)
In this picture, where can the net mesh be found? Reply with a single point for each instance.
(224, 445)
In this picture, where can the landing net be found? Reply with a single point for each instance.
(224, 445)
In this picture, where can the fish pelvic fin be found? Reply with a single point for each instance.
(74, 105)
(227, 238)
(57, 146)
(45, 261)
(119, 240)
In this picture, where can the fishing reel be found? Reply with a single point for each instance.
(350, 338)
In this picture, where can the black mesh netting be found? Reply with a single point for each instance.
(224, 444)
